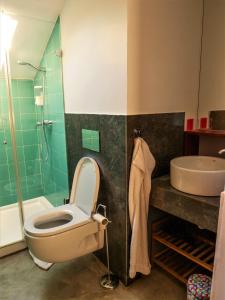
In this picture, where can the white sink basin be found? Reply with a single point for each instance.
(198, 175)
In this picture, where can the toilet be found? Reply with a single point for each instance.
(63, 233)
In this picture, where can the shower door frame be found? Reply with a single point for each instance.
(19, 245)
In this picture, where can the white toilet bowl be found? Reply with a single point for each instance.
(68, 231)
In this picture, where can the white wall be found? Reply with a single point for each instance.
(131, 57)
(94, 44)
(212, 88)
(163, 55)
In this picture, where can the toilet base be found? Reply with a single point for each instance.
(69, 244)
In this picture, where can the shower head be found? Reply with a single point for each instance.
(20, 62)
(24, 63)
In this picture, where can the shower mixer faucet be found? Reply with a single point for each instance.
(44, 122)
(47, 122)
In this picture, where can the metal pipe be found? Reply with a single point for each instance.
(109, 280)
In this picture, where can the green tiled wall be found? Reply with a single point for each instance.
(38, 177)
(28, 153)
(54, 171)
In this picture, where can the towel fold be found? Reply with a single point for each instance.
(143, 163)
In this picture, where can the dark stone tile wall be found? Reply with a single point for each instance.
(113, 187)
(217, 119)
(163, 133)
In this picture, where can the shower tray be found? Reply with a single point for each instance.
(10, 227)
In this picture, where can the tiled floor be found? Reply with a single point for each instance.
(20, 279)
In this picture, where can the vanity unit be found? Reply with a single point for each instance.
(183, 242)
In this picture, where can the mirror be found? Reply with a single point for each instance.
(212, 69)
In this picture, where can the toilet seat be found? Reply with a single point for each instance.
(78, 218)
(78, 211)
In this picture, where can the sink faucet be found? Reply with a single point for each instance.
(221, 151)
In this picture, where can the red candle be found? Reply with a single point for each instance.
(190, 124)
(203, 123)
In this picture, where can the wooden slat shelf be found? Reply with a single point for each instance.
(192, 139)
(175, 264)
(181, 249)
(209, 132)
(201, 253)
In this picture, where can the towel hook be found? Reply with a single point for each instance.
(137, 132)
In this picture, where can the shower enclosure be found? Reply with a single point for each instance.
(33, 160)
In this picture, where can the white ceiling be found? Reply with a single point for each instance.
(36, 19)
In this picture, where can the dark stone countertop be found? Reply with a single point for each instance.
(199, 210)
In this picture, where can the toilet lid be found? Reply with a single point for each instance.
(85, 185)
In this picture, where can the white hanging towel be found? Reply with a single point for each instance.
(143, 163)
(218, 284)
